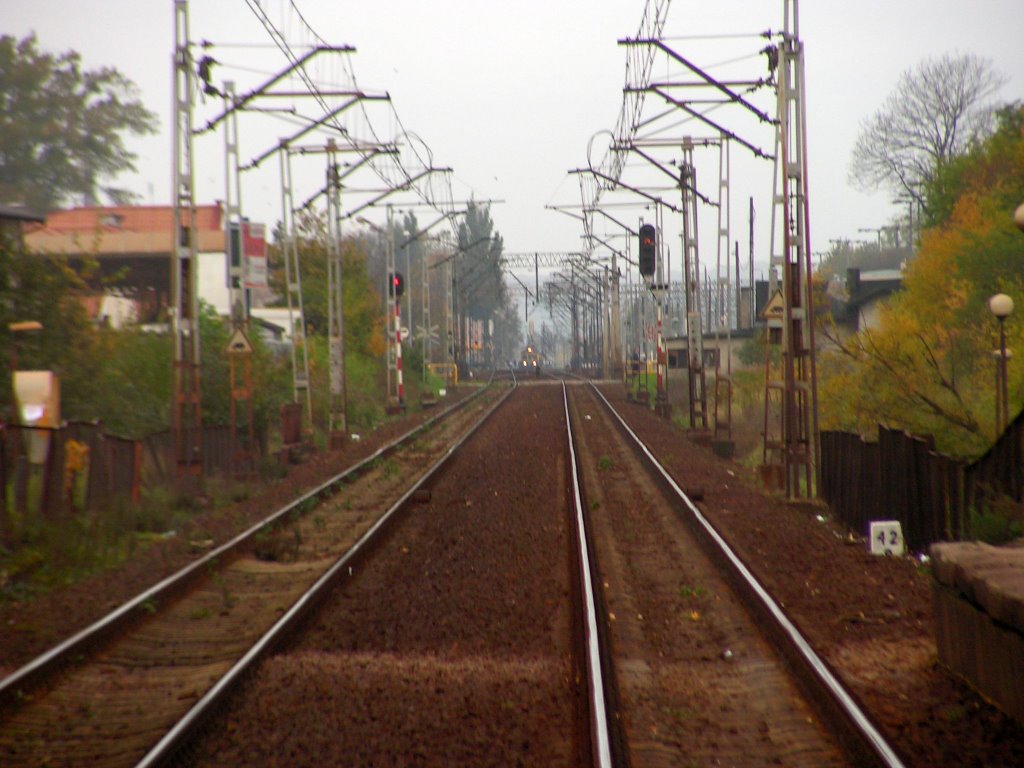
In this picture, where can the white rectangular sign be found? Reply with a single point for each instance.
(886, 537)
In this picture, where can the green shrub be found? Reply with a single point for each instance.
(998, 521)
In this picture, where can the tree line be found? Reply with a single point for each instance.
(928, 366)
(62, 142)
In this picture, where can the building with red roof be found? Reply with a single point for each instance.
(132, 247)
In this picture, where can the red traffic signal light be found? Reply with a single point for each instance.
(648, 247)
(396, 284)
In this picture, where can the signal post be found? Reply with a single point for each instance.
(648, 268)
(396, 289)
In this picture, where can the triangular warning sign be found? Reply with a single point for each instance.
(775, 308)
(239, 342)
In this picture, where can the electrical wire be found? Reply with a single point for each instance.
(396, 116)
(402, 176)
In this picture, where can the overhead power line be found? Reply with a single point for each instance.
(389, 166)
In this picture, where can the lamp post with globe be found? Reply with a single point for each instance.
(1001, 306)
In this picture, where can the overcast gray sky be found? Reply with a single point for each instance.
(508, 94)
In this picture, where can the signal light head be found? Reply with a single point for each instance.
(648, 249)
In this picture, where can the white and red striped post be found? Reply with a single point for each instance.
(398, 352)
(660, 356)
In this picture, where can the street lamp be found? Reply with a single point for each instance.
(1001, 306)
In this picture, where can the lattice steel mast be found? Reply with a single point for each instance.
(691, 282)
(187, 400)
(338, 417)
(293, 291)
(723, 295)
(239, 349)
(791, 398)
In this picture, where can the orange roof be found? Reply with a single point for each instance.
(121, 229)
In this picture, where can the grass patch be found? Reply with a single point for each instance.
(43, 553)
(686, 592)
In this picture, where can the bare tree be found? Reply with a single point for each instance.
(935, 113)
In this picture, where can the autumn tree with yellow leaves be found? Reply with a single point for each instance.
(928, 367)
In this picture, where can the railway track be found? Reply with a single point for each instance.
(668, 668)
(468, 639)
(461, 631)
(709, 667)
(108, 694)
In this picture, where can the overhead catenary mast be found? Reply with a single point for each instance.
(239, 349)
(338, 427)
(724, 307)
(186, 398)
(791, 440)
(692, 288)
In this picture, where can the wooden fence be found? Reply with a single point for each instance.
(902, 477)
(113, 469)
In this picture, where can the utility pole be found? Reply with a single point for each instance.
(722, 320)
(450, 324)
(237, 306)
(752, 311)
(293, 278)
(425, 314)
(338, 418)
(575, 359)
(396, 386)
(239, 349)
(791, 438)
(615, 327)
(692, 288)
(239, 275)
(187, 402)
(604, 321)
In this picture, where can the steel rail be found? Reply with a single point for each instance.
(599, 730)
(855, 721)
(30, 673)
(176, 737)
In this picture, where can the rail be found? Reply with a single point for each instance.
(29, 674)
(169, 744)
(595, 662)
(856, 730)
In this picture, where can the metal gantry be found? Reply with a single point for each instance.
(581, 296)
(183, 309)
(790, 414)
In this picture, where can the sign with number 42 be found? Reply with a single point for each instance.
(887, 538)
